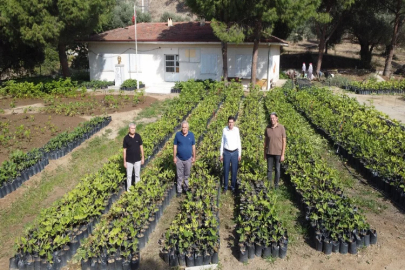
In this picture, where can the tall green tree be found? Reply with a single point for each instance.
(370, 25)
(329, 16)
(262, 16)
(397, 9)
(223, 14)
(56, 22)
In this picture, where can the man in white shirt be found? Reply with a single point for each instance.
(230, 152)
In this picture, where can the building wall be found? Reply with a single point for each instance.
(103, 58)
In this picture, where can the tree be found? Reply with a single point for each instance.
(370, 32)
(58, 22)
(121, 16)
(397, 9)
(224, 14)
(329, 16)
(262, 16)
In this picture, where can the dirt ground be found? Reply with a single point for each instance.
(392, 105)
(44, 126)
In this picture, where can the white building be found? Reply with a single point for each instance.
(186, 50)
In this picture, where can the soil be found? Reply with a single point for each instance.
(44, 126)
(392, 105)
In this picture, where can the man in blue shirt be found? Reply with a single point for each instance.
(183, 155)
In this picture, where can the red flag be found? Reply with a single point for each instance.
(133, 18)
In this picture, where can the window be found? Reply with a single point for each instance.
(209, 64)
(134, 65)
(105, 62)
(189, 55)
(172, 63)
(244, 65)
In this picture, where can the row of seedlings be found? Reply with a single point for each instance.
(21, 166)
(56, 234)
(193, 237)
(372, 143)
(379, 88)
(335, 222)
(125, 230)
(259, 229)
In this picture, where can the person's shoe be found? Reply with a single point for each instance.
(224, 191)
(178, 194)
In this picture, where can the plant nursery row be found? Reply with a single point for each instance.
(259, 228)
(375, 146)
(193, 237)
(21, 166)
(54, 230)
(335, 222)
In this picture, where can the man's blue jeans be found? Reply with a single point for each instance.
(230, 158)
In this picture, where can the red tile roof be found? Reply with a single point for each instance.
(160, 32)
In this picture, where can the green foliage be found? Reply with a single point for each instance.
(130, 83)
(121, 16)
(328, 209)
(363, 131)
(55, 23)
(225, 33)
(175, 18)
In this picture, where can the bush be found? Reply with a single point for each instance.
(130, 83)
(175, 18)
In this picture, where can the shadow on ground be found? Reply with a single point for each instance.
(295, 61)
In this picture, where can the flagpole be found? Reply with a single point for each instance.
(136, 52)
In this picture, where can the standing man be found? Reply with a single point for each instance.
(230, 152)
(133, 154)
(274, 148)
(183, 155)
(304, 69)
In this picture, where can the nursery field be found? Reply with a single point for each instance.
(340, 204)
(28, 123)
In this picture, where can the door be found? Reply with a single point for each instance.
(172, 68)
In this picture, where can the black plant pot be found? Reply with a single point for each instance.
(214, 258)
(134, 264)
(283, 251)
(327, 247)
(267, 252)
(182, 259)
(275, 250)
(85, 264)
(318, 243)
(258, 249)
(344, 247)
(126, 265)
(141, 241)
(13, 263)
(190, 260)
(335, 246)
(251, 250)
(164, 254)
(198, 259)
(366, 240)
(206, 258)
(243, 255)
(373, 237)
(353, 247)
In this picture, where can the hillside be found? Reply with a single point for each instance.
(157, 7)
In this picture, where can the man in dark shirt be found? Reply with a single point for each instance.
(183, 155)
(133, 154)
(274, 147)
